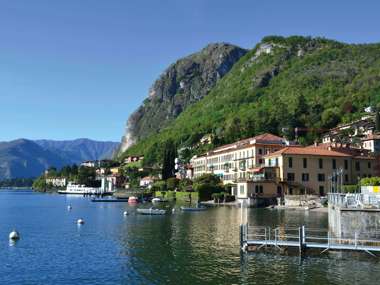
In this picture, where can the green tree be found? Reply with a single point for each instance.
(169, 156)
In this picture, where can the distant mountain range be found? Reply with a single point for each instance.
(24, 158)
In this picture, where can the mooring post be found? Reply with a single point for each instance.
(241, 235)
(301, 231)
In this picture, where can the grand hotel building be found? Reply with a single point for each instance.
(269, 166)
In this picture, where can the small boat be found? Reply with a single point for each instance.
(151, 211)
(110, 200)
(193, 209)
(132, 200)
(158, 200)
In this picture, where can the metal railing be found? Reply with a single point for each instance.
(304, 238)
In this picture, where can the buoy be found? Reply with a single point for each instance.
(80, 221)
(14, 235)
(125, 213)
(173, 210)
(69, 207)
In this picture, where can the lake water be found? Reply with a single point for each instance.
(183, 248)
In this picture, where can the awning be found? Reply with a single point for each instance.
(257, 169)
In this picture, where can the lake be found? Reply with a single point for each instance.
(181, 248)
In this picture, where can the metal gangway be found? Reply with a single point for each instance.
(303, 238)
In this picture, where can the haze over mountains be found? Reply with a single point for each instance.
(23, 158)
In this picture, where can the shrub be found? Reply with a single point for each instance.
(172, 183)
(370, 181)
(350, 188)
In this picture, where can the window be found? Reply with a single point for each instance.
(357, 165)
(369, 164)
(257, 189)
(241, 189)
(320, 162)
(345, 178)
(305, 163)
(290, 162)
(260, 151)
(305, 176)
(334, 163)
(260, 161)
(276, 162)
(321, 177)
(290, 191)
(261, 189)
(290, 176)
(321, 190)
(346, 164)
(279, 191)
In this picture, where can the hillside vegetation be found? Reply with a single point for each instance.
(281, 84)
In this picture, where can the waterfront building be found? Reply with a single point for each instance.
(233, 162)
(307, 172)
(57, 181)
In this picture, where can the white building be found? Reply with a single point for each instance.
(57, 182)
(234, 161)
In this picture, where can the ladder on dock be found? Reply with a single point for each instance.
(304, 238)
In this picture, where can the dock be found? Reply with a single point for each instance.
(253, 238)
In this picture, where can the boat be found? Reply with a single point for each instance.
(151, 211)
(158, 200)
(193, 209)
(110, 200)
(132, 200)
(77, 189)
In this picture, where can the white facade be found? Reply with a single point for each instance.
(57, 182)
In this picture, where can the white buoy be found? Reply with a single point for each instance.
(173, 210)
(125, 213)
(14, 235)
(80, 221)
(69, 207)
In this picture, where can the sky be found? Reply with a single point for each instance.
(78, 68)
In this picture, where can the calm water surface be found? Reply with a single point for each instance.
(184, 248)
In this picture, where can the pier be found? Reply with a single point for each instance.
(253, 238)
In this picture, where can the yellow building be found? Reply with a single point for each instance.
(317, 170)
(233, 162)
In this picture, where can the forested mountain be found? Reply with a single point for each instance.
(24, 158)
(281, 84)
(183, 83)
(80, 149)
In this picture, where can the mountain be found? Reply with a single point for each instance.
(281, 84)
(183, 83)
(80, 150)
(25, 158)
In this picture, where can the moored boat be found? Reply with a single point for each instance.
(158, 200)
(77, 189)
(193, 209)
(151, 211)
(132, 200)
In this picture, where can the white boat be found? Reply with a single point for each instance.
(80, 189)
(193, 209)
(158, 200)
(151, 211)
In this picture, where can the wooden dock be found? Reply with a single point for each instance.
(304, 238)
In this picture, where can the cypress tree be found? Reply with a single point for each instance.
(377, 121)
(169, 156)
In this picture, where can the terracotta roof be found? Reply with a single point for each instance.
(308, 151)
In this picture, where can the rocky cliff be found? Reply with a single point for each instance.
(182, 84)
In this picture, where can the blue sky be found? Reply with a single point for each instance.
(78, 68)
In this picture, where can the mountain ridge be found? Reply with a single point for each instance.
(184, 82)
(24, 158)
(280, 84)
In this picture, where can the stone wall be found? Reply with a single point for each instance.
(345, 222)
